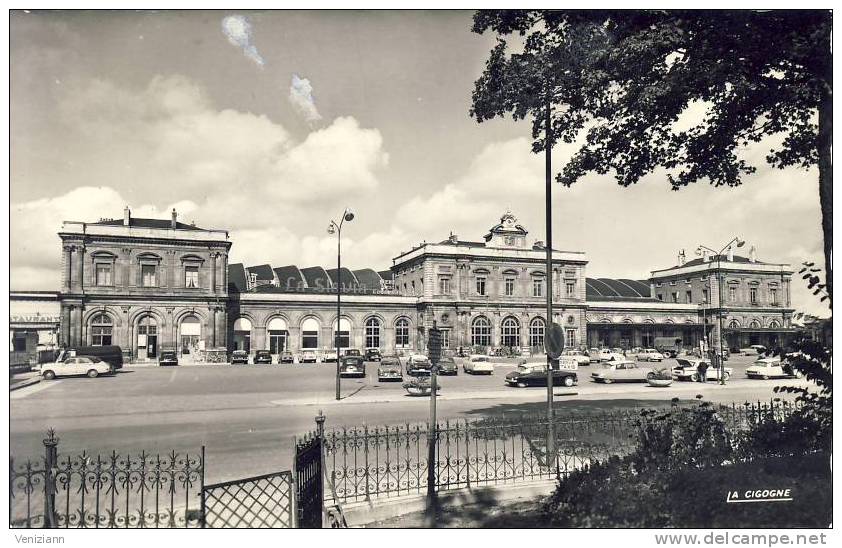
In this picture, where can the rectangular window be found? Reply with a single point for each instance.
(147, 272)
(705, 296)
(445, 338)
(191, 276)
(752, 293)
(660, 297)
(674, 296)
(538, 287)
(732, 294)
(480, 285)
(309, 339)
(689, 295)
(510, 287)
(773, 295)
(570, 338)
(103, 274)
(570, 289)
(444, 286)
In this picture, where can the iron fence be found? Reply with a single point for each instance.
(94, 491)
(383, 461)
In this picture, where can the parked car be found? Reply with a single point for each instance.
(78, 365)
(650, 355)
(286, 357)
(351, 352)
(373, 355)
(239, 356)
(417, 365)
(307, 356)
(772, 368)
(688, 370)
(352, 366)
(168, 357)
(580, 357)
(534, 373)
(753, 350)
(478, 363)
(447, 366)
(595, 354)
(619, 351)
(328, 356)
(262, 356)
(622, 371)
(111, 354)
(389, 369)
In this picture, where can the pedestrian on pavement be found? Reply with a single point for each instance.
(703, 371)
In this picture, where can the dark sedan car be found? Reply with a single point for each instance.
(239, 356)
(352, 366)
(262, 356)
(447, 366)
(373, 355)
(535, 374)
(168, 357)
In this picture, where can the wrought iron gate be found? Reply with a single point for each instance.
(262, 501)
(309, 476)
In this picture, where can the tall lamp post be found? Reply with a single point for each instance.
(336, 228)
(721, 312)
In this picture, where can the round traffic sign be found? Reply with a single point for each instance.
(554, 341)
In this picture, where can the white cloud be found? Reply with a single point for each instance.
(301, 97)
(238, 31)
(166, 145)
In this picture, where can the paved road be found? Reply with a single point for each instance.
(247, 416)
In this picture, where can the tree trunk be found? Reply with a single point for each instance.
(824, 144)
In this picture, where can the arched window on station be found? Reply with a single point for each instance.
(101, 330)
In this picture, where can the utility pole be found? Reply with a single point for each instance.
(549, 243)
(434, 354)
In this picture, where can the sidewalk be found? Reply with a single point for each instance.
(22, 380)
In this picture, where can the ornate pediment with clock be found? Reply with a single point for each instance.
(506, 233)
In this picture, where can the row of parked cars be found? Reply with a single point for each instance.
(691, 369)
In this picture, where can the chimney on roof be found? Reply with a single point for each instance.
(730, 254)
(752, 255)
(127, 216)
(174, 221)
(453, 238)
(681, 258)
(704, 255)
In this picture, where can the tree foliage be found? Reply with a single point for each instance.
(626, 81)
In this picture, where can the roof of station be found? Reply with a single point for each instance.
(621, 289)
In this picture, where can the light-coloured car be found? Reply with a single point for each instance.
(478, 363)
(688, 370)
(329, 356)
(90, 366)
(771, 368)
(622, 371)
(307, 356)
(389, 369)
(650, 355)
(580, 357)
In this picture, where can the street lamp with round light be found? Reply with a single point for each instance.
(336, 228)
(721, 312)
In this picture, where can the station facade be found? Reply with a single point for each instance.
(151, 284)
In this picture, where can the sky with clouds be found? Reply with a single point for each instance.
(269, 123)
